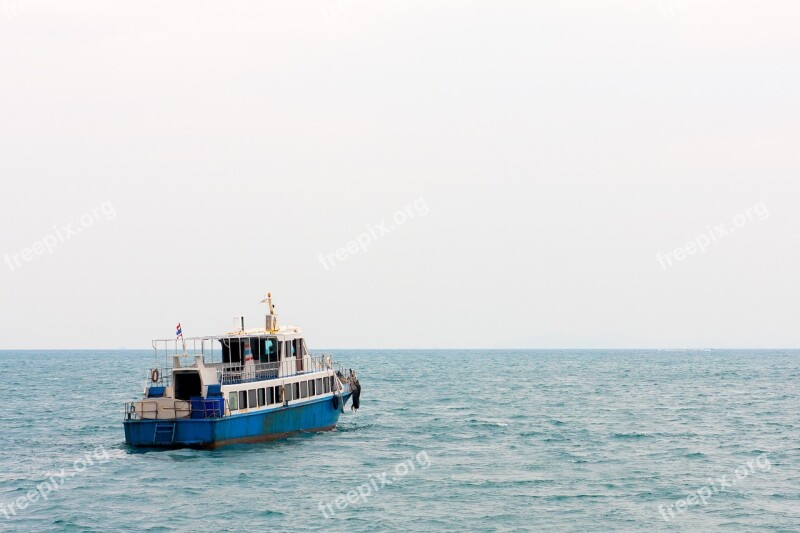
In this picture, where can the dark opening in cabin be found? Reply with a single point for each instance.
(187, 384)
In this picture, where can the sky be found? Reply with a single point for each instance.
(401, 174)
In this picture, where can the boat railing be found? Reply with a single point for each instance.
(151, 407)
(229, 373)
(208, 408)
(186, 349)
(237, 373)
(197, 408)
(159, 377)
(181, 353)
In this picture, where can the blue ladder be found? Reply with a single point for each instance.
(164, 433)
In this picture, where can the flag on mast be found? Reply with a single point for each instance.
(178, 332)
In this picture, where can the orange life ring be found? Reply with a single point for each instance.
(154, 375)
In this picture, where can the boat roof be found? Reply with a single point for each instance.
(292, 331)
(284, 332)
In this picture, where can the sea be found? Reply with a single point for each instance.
(445, 440)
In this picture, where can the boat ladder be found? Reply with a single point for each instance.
(164, 433)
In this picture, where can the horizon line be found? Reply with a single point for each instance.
(441, 349)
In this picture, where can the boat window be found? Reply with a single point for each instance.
(231, 351)
(252, 398)
(327, 385)
(289, 389)
(304, 389)
(262, 397)
(318, 387)
(294, 348)
(271, 349)
(257, 347)
(333, 383)
(279, 394)
(296, 387)
(233, 401)
(242, 399)
(270, 395)
(311, 387)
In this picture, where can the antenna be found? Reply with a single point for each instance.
(271, 324)
(268, 300)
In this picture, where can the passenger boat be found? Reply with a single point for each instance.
(245, 386)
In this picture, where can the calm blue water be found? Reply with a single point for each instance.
(505, 440)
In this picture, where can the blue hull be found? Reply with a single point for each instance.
(315, 415)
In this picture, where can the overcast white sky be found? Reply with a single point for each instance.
(553, 149)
